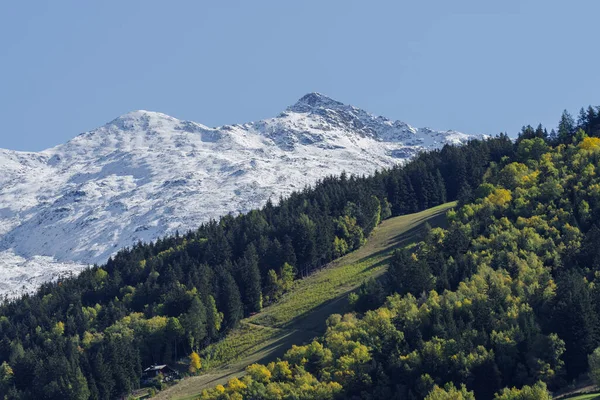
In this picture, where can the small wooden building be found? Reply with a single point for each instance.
(153, 371)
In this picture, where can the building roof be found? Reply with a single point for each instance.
(155, 368)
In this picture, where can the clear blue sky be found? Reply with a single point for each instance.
(475, 66)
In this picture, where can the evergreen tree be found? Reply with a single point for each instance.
(305, 232)
(194, 323)
(395, 194)
(410, 198)
(566, 127)
(250, 278)
(576, 321)
(103, 377)
(230, 300)
(593, 121)
(439, 188)
(408, 275)
(582, 120)
(289, 254)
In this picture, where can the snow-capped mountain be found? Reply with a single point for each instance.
(146, 174)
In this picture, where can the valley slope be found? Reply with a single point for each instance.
(301, 314)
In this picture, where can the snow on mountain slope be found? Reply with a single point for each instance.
(146, 174)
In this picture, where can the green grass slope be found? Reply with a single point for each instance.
(300, 314)
(587, 396)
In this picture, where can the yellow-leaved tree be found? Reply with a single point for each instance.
(450, 392)
(195, 363)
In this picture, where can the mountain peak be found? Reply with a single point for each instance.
(140, 119)
(314, 100)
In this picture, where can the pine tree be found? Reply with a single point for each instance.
(194, 323)
(566, 127)
(582, 120)
(218, 249)
(440, 187)
(593, 120)
(425, 187)
(275, 254)
(541, 132)
(80, 389)
(289, 254)
(250, 278)
(527, 132)
(175, 332)
(305, 243)
(576, 321)
(395, 194)
(408, 275)
(410, 198)
(104, 380)
(400, 205)
(230, 300)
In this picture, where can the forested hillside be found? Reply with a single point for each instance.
(92, 335)
(505, 296)
(503, 303)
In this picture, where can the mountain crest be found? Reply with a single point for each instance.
(140, 119)
(314, 100)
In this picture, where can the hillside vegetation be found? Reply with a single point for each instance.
(504, 303)
(301, 314)
(156, 303)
